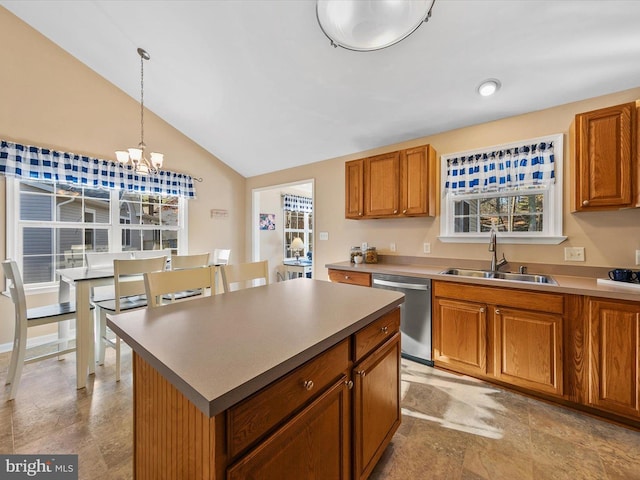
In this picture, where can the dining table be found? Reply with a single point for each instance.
(83, 279)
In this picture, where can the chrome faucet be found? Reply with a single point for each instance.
(495, 264)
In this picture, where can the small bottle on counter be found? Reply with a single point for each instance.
(371, 255)
(356, 252)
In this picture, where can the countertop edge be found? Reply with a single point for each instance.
(565, 283)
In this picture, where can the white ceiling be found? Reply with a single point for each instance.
(257, 84)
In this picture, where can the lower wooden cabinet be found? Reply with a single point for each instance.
(614, 356)
(316, 442)
(460, 335)
(528, 349)
(376, 405)
(514, 336)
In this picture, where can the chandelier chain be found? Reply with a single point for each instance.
(142, 145)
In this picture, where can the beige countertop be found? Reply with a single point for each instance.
(218, 350)
(565, 283)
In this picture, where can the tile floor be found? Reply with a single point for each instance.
(454, 427)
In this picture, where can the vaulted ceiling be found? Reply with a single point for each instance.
(257, 83)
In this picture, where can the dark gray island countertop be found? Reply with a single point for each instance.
(219, 350)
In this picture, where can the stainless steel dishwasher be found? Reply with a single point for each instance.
(415, 314)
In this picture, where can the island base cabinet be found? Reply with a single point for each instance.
(315, 444)
(173, 439)
(376, 405)
(614, 357)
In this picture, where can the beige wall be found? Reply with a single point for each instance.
(50, 99)
(609, 238)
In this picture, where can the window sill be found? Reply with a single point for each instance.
(504, 239)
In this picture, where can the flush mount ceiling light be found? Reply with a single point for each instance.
(135, 156)
(489, 87)
(366, 25)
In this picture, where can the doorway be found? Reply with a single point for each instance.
(274, 228)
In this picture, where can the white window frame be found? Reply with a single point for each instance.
(552, 201)
(14, 228)
(305, 234)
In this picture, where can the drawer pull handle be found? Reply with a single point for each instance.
(362, 373)
(349, 384)
(308, 384)
(385, 329)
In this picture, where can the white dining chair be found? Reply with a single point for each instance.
(179, 262)
(33, 317)
(239, 274)
(128, 281)
(168, 286)
(104, 260)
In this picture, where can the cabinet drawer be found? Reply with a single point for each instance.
(257, 415)
(376, 333)
(353, 278)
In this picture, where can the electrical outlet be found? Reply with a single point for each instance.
(365, 245)
(574, 254)
(637, 257)
(426, 247)
(392, 246)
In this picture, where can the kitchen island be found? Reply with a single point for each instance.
(297, 379)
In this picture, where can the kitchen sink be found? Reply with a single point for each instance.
(514, 277)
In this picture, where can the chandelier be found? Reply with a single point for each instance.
(367, 25)
(136, 156)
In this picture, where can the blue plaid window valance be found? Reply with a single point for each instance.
(528, 165)
(296, 203)
(41, 164)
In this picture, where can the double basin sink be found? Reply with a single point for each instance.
(514, 277)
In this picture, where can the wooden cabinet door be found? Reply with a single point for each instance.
(313, 444)
(382, 185)
(605, 158)
(354, 189)
(614, 344)
(417, 190)
(376, 405)
(529, 349)
(460, 336)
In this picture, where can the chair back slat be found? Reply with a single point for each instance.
(128, 276)
(105, 259)
(244, 272)
(140, 254)
(16, 289)
(221, 256)
(158, 284)
(179, 262)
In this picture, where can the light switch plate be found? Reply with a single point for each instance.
(392, 246)
(637, 257)
(574, 254)
(324, 235)
(426, 247)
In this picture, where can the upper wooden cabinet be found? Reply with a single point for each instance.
(606, 159)
(395, 184)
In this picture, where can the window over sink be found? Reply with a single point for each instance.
(516, 186)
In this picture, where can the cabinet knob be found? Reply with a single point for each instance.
(346, 277)
(308, 384)
(359, 214)
(482, 310)
(384, 329)
(497, 311)
(362, 373)
(395, 211)
(585, 203)
(349, 384)
(404, 211)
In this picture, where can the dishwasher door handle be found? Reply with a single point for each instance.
(409, 286)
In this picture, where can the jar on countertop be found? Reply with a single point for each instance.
(371, 255)
(356, 252)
